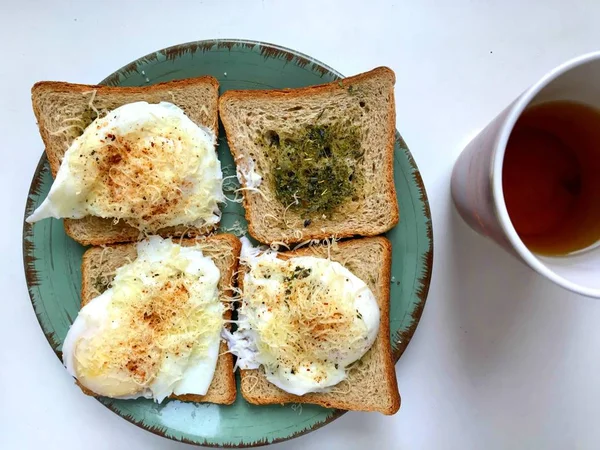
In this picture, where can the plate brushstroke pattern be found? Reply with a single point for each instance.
(52, 260)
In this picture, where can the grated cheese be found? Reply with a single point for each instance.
(159, 308)
(301, 320)
(153, 175)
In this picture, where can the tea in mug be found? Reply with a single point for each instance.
(551, 177)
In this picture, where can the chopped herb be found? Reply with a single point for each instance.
(299, 273)
(302, 272)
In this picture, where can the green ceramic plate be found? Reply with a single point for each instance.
(52, 260)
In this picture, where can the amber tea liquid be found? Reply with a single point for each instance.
(551, 177)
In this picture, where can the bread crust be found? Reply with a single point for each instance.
(307, 90)
(223, 388)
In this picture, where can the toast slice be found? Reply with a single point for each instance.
(371, 384)
(98, 267)
(56, 104)
(257, 122)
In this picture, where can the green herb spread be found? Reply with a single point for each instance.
(101, 284)
(315, 170)
(78, 126)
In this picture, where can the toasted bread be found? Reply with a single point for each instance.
(365, 101)
(98, 267)
(371, 383)
(55, 102)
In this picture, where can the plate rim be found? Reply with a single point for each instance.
(403, 337)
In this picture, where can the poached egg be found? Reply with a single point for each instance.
(146, 164)
(155, 331)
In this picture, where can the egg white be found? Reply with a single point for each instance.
(71, 188)
(176, 375)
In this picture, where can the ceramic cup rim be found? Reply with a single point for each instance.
(506, 129)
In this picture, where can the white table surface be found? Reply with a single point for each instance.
(501, 359)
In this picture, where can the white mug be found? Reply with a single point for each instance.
(477, 176)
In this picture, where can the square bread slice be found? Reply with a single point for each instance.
(98, 267)
(371, 384)
(365, 101)
(56, 104)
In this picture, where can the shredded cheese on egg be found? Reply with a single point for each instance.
(146, 177)
(146, 164)
(306, 323)
(157, 310)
